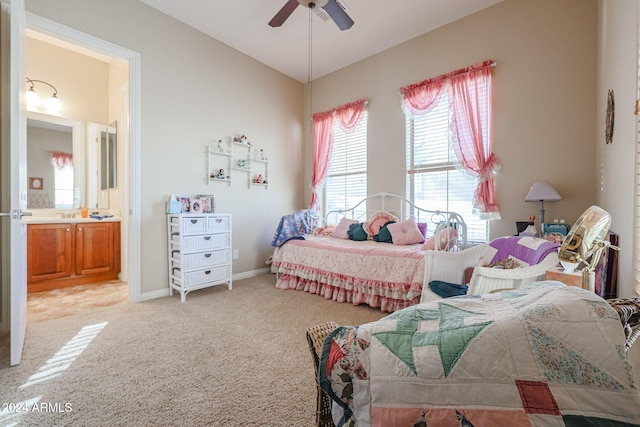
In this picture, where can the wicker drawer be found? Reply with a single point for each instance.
(218, 224)
(196, 278)
(194, 225)
(206, 259)
(194, 243)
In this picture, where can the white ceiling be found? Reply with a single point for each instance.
(379, 25)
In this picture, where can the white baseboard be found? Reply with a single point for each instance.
(165, 292)
(249, 274)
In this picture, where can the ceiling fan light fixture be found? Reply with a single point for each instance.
(311, 4)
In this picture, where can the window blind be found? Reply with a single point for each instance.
(435, 178)
(346, 181)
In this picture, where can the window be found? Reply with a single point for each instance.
(346, 181)
(63, 187)
(435, 178)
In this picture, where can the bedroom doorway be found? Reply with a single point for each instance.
(127, 194)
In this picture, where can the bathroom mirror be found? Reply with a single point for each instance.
(55, 162)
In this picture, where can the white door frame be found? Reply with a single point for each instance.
(131, 193)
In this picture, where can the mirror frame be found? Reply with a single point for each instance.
(78, 149)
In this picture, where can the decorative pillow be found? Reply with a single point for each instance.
(376, 221)
(445, 238)
(422, 226)
(356, 232)
(384, 235)
(342, 228)
(405, 232)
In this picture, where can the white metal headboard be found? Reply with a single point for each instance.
(403, 209)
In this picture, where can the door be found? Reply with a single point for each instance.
(96, 248)
(14, 166)
(49, 251)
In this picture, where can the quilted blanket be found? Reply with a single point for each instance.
(544, 355)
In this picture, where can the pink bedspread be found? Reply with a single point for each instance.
(378, 274)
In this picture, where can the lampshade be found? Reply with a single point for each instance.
(542, 191)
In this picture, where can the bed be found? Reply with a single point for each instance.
(545, 355)
(384, 275)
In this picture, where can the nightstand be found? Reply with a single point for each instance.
(570, 279)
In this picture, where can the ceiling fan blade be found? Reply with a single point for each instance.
(339, 16)
(284, 13)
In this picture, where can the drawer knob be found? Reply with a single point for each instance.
(207, 272)
(207, 255)
(194, 221)
(207, 237)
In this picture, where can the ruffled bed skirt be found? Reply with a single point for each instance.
(341, 289)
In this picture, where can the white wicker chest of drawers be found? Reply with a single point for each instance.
(199, 252)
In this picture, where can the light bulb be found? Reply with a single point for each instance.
(33, 100)
(53, 104)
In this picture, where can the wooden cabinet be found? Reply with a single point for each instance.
(97, 248)
(68, 254)
(50, 253)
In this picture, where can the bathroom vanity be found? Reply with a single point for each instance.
(71, 251)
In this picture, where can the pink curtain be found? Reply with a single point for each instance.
(322, 144)
(470, 98)
(61, 160)
(348, 116)
(420, 98)
(470, 101)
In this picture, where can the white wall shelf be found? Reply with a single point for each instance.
(228, 156)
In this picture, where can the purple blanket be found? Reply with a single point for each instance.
(530, 250)
(293, 226)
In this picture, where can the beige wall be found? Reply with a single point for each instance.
(195, 90)
(615, 163)
(544, 99)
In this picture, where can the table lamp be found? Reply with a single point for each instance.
(542, 192)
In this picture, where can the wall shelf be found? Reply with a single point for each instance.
(228, 155)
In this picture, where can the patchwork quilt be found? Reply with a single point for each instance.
(543, 355)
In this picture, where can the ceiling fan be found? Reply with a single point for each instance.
(333, 9)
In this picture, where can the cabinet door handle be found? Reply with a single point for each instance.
(79, 229)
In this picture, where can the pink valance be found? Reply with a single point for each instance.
(61, 160)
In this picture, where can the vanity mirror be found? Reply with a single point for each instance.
(55, 162)
(69, 166)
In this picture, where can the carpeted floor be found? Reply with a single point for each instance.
(222, 358)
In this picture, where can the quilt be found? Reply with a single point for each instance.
(543, 355)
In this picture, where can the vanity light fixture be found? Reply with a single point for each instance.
(52, 105)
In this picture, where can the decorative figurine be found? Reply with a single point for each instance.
(220, 149)
(242, 164)
(220, 174)
(259, 179)
(262, 154)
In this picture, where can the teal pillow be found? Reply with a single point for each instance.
(356, 232)
(384, 235)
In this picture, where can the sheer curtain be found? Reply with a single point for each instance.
(348, 116)
(470, 97)
(470, 103)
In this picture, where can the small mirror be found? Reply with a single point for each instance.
(55, 162)
(102, 154)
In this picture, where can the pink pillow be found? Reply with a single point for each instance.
(405, 232)
(446, 239)
(376, 221)
(341, 230)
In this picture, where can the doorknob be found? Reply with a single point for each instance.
(16, 214)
